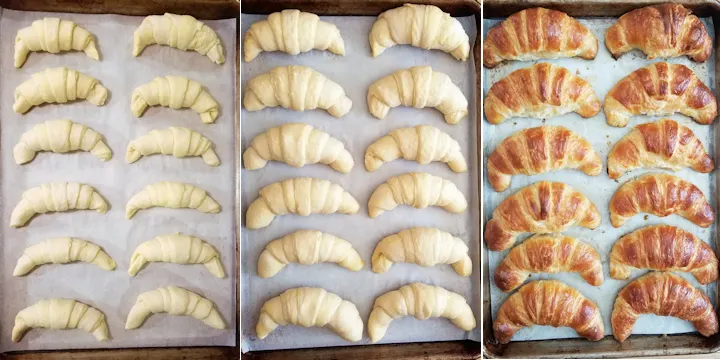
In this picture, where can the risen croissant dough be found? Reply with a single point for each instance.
(58, 85)
(61, 196)
(173, 195)
(422, 143)
(183, 32)
(53, 35)
(60, 136)
(61, 314)
(177, 249)
(418, 190)
(175, 92)
(174, 301)
(176, 141)
(62, 251)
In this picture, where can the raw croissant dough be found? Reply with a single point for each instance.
(60, 136)
(174, 301)
(60, 196)
(422, 143)
(53, 35)
(173, 195)
(61, 314)
(418, 190)
(177, 249)
(176, 141)
(62, 251)
(175, 92)
(182, 32)
(58, 85)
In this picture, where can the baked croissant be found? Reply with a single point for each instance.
(58, 85)
(421, 143)
(538, 150)
(174, 301)
(660, 89)
(62, 251)
(664, 30)
(548, 254)
(182, 32)
(421, 301)
(423, 26)
(307, 306)
(662, 294)
(661, 195)
(176, 249)
(53, 35)
(419, 87)
(302, 196)
(307, 247)
(541, 208)
(541, 91)
(297, 145)
(292, 32)
(60, 136)
(173, 195)
(61, 314)
(175, 92)
(51, 197)
(663, 247)
(176, 141)
(418, 190)
(548, 302)
(664, 144)
(423, 246)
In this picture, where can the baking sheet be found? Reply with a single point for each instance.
(357, 130)
(115, 292)
(602, 73)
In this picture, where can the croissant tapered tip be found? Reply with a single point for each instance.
(132, 155)
(91, 51)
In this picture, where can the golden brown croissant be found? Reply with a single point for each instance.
(664, 144)
(541, 91)
(661, 195)
(541, 208)
(548, 302)
(539, 150)
(662, 294)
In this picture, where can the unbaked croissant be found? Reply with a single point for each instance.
(62, 251)
(418, 190)
(663, 247)
(176, 249)
(60, 136)
(175, 92)
(422, 143)
(419, 87)
(51, 197)
(297, 145)
(176, 141)
(58, 85)
(298, 88)
(541, 91)
(548, 302)
(538, 33)
(662, 294)
(661, 195)
(173, 195)
(61, 314)
(53, 35)
(538, 150)
(660, 89)
(541, 208)
(182, 32)
(174, 301)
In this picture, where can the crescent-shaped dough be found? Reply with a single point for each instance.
(61, 314)
(175, 92)
(182, 32)
(176, 249)
(62, 251)
(174, 301)
(60, 136)
(53, 35)
(58, 85)
(418, 190)
(176, 141)
(173, 195)
(421, 143)
(52, 197)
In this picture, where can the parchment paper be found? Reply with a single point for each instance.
(602, 73)
(115, 292)
(357, 130)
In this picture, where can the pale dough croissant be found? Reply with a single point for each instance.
(175, 92)
(418, 190)
(423, 26)
(174, 301)
(423, 246)
(302, 196)
(176, 141)
(177, 249)
(297, 145)
(422, 143)
(173, 195)
(51, 197)
(298, 88)
(183, 32)
(60, 136)
(421, 301)
(61, 314)
(307, 247)
(62, 251)
(292, 32)
(307, 306)
(58, 85)
(53, 35)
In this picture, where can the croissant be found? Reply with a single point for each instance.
(62, 251)
(539, 150)
(541, 208)
(419, 87)
(422, 143)
(61, 314)
(173, 195)
(297, 145)
(548, 254)
(663, 247)
(418, 190)
(423, 246)
(174, 301)
(177, 249)
(292, 32)
(662, 294)
(51, 197)
(298, 88)
(660, 89)
(60, 136)
(176, 141)
(548, 302)
(58, 85)
(53, 35)
(661, 195)
(175, 92)
(182, 32)
(541, 91)
(302, 196)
